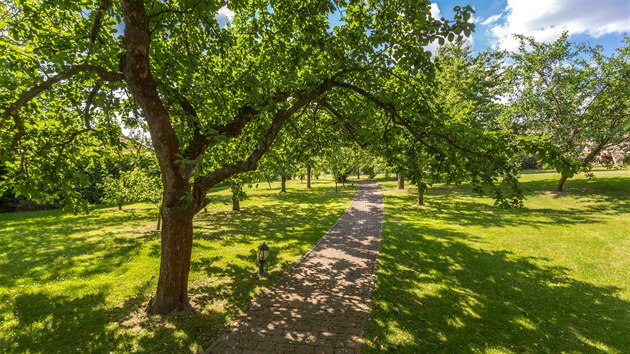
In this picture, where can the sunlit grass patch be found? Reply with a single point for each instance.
(460, 275)
(78, 283)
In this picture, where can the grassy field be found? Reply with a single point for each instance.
(78, 283)
(460, 275)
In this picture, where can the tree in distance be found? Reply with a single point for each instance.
(572, 96)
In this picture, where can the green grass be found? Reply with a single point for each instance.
(78, 283)
(460, 275)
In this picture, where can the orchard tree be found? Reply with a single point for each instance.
(575, 97)
(465, 140)
(214, 94)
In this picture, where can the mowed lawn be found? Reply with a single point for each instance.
(78, 283)
(460, 275)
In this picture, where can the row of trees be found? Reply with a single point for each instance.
(274, 85)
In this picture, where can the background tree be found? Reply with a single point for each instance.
(574, 96)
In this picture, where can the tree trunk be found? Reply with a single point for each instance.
(269, 183)
(308, 176)
(563, 179)
(172, 289)
(283, 184)
(119, 206)
(159, 219)
(358, 174)
(420, 196)
(401, 181)
(236, 204)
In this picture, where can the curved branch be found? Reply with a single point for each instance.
(203, 183)
(103, 74)
(398, 119)
(13, 109)
(343, 120)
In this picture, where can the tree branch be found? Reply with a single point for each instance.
(13, 109)
(203, 183)
(87, 114)
(343, 120)
(98, 20)
(398, 119)
(201, 141)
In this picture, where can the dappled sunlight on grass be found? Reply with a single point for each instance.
(80, 282)
(461, 275)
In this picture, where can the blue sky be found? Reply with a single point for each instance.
(601, 22)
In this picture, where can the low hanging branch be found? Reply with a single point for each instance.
(13, 109)
(397, 118)
(343, 120)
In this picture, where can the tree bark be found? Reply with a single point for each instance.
(308, 176)
(172, 289)
(563, 179)
(401, 181)
(159, 219)
(358, 174)
(420, 196)
(283, 184)
(236, 204)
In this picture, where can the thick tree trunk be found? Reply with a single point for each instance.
(308, 176)
(420, 196)
(401, 181)
(283, 184)
(172, 289)
(236, 204)
(119, 206)
(563, 179)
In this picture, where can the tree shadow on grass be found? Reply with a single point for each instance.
(44, 248)
(83, 320)
(70, 323)
(601, 196)
(442, 295)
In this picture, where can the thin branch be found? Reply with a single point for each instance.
(98, 20)
(87, 114)
(343, 120)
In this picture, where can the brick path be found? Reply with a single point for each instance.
(321, 306)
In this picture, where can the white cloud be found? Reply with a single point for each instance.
(492, 19)
(547, 19)
(224, 16)
(435, 11)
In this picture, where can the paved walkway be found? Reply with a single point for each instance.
(321, 306)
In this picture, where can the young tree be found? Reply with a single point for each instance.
(575, 97)
(213, 95)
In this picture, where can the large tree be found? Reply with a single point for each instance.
(213, 94)
(575, 97)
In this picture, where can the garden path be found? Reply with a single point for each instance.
(321, 305)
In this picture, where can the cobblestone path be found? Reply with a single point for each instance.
(321, 306)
